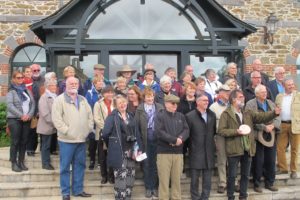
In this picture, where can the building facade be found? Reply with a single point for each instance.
(20, 46)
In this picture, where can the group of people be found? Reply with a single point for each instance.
(164, 118)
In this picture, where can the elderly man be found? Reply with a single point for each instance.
(176, 86)
(255, 81)
(265, 157)
(240, 144)
(232, 73)
(165, 89)
(212, 84)
(190, 70)
(172, 130)
(256, 66)
(276, 85)
(218, 108)
(290, 127)
(202, 124)
(72, 117)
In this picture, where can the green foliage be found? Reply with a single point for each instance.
(4, 138)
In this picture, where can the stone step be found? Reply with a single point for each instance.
(284, 193)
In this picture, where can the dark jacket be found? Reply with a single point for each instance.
(246, 81)
(114, 135)
(37, 84)
(89, 83)
(142, 120)
(159, 97)
(185, 106)
(272, 85)
(228, 126)
(250, 94)
(168, 127)
(202, 143)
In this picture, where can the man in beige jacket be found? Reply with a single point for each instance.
(73, 119)
(289, 102)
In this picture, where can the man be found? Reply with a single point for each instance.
(37, 85)
(98, 72)
(265, 157)
(218, 107)
(202, 124)
(175, 85)
(289, 102)
(240, 147)
(255, 81)
(172, 130)
(73, 119)
(276, 85)
(190, 70)
(256, 66)
(232, 73)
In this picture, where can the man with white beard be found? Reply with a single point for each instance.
(72, 117)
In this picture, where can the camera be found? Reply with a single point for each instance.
(130, 138)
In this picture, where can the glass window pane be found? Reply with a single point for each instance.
(129, 19)
(216, 63)
(162, 62)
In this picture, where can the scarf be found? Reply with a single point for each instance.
(150, 110)
(28, 83)
(51, 94)
(20, 89)
(107, 104)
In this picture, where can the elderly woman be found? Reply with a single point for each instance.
(232, 72)
(20, 109)
(69, 71)
(184, 78)
(134, 97)
(212, 84)
(121, 133)
(149, 81)
(102, 109)
(121, 86)
(176, 86)
(200, 89)
(145, 117)
(165, 89)
(232, 83)
(127, 72)
(45, 126)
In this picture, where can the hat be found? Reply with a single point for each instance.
(126, 68)
(149, 70)
(99, 66)
(224, 88)
(267, 139)
(171, 98)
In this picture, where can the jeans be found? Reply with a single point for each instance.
(72, 153)
(206, 183)
(45, 149)
(149, 167)
(264, 164)
(19, 131)
(245, 162)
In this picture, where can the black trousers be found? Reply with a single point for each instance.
(32, 140)
(53, 145)
(93, 144)
(19, 132)
(264, 164)
(206, 183)
(105, 171)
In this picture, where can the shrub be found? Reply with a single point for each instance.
(4, 138)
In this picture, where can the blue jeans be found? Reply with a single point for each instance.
(149, 167)
(72, 153)
(233, 162)
(45, 149)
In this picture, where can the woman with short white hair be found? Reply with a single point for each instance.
(165, 89)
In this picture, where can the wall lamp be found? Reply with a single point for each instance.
(270, 28)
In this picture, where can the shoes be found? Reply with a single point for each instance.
(67, 197)
(155, 193)
(258, 189)
(83, 194)
(31, 154)
(242, 198)
(148, 194)
(103, 180)
(282, 172)
(15, 167)
(111, 180)
(221, 189)
(92, 165)
(237, 188)
(294, 175)
(23, 166)
(48, 167)
(54, 153)
(272, 188)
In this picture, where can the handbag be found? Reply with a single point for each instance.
(34, 122)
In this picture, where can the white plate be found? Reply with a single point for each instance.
(141, 157)
(245, 129)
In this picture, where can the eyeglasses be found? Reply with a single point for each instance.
(173, 103)
(36, 70)
(19, 77)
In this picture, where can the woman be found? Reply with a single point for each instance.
(27, 72)
(69, 71)
(127, 72)
(121, 134)
(232, 83)
(200, 89)
(212, 84)
(184, 78)
(145, 117)
(165, 89)
(134, 97)
(45, 125)
(20, 109)
(121, 87)
(149, 81)
(102, 109)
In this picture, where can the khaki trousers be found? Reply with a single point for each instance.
(169, 167)
(284, 137)
(221, 160)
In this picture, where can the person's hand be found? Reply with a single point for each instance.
(277, 110)
(239, 132)
(25, 118)
(178, 142)
(269, 128)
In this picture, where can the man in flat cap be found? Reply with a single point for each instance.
(172, 130)
(98, 72)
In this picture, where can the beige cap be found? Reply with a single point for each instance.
(99, 66)
(267, 139)
(171, 98)
(224, 88)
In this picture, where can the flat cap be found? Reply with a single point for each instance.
(171, 98)
(99, 66)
